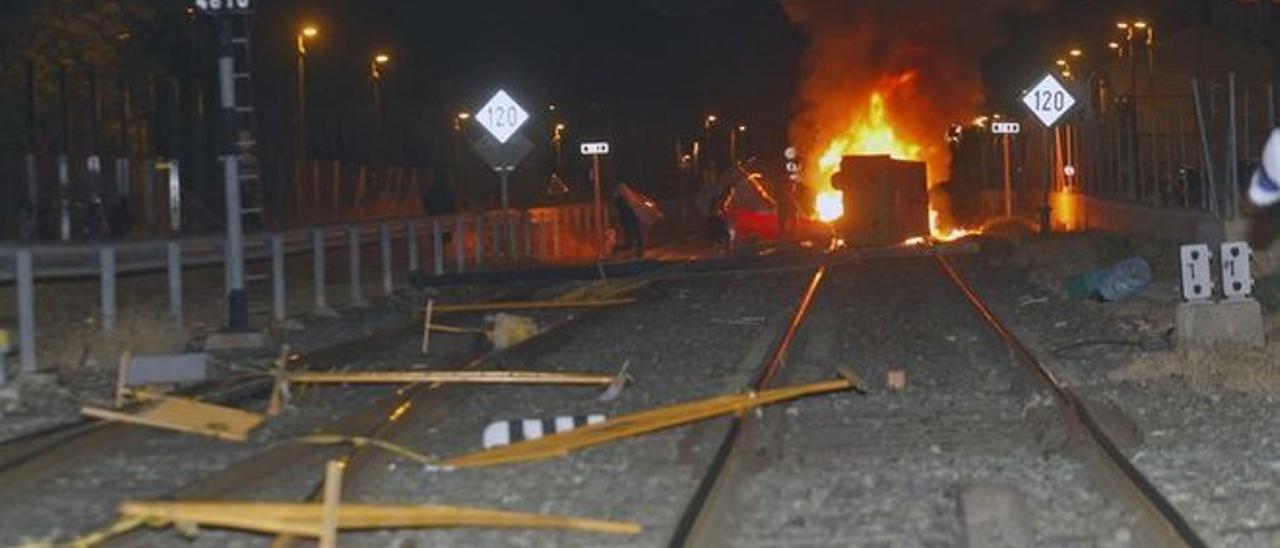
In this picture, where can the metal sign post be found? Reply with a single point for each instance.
(237, 300)
(1007, 130)
(1049, 101)
(595, 151)
(502, 117)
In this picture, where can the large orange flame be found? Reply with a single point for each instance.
(871, 132)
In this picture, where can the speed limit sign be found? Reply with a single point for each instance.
(1049, 100)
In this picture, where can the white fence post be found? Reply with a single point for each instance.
(353, 260)
(384, 247)
(460, 244)
(26, 311)
(318, 268)
(437, 247)
(173, 269)
(278, 309)
(107, 277)
(411, 241)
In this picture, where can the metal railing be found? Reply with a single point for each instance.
(433, 246)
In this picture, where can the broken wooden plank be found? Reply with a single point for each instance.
(426, 326)
(329, 509)
(529, 305)
(640, 423)
(183, 415)
(304, 519)
(464, 377)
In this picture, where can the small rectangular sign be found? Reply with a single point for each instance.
(1006, 128)
(594, 149)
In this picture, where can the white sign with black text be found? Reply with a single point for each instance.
(502, 116)
(595, 149)
(1049, 100)
(1006, 128)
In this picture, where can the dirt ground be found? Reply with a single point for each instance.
(1149, 317)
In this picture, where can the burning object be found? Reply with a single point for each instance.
(830, 206)
(886, 201)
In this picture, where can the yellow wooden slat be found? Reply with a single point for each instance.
(639, 423)
(469, 377)
(528, 305)
(183, 415)
(304, 518)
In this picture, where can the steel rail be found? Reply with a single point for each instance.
(1169, 524)
(696, 514)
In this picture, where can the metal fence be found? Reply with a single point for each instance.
(1190, 150)
(1194, 150)
(63, 197)
(433, 246)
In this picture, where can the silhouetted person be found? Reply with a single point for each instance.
(631, 236)
(439, 201)
(787, 210)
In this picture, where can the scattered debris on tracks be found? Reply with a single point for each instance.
(184, 415)
(158, 370)
(897, 380)
(510, 330)
(281, 392)
(529, 305)
(643, 422)
(324, 519)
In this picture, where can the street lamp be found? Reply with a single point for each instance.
(733, 142)
(307, 32)
(707, 146)
(376, 68)
(557, 139)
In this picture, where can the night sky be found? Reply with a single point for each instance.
(642, 74)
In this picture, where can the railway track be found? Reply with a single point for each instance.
(292, 470)
(703, 519)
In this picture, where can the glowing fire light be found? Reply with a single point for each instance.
(830, 206)
(868, 134)
(945, 235)
(872, 133)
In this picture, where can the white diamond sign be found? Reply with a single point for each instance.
(1049, 101)
(502, 116)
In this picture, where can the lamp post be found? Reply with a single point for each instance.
(377, 66)
(557, 140)
(459, 121)
(706, 145)
(305, 33)
(1130, 29)
(733, 142)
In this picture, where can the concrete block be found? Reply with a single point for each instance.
(1235, 321)
(167, 369)
(995, 516)
(221, 342)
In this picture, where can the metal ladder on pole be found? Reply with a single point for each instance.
(252, 190)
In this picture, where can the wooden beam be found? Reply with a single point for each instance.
(465, 377)
(183, 415)
(528, 305)
(332, 498)
(644, 422)
(304, 519)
